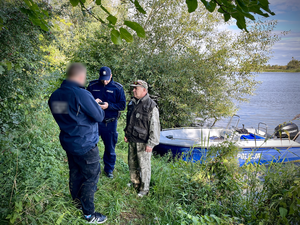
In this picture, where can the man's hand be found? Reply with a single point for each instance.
(148, 149)
(105, 106)
(98, 100)
(125, 139)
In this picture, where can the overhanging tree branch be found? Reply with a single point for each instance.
(221, 6)
(92, 14)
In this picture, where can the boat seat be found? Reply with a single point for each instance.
(251, 137)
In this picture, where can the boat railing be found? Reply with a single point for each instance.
(264, 129)
(237, 122)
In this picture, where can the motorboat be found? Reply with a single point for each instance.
(256, 145)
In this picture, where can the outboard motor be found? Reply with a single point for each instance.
(291, 128)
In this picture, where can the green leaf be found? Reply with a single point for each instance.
(1, 69)
(256, 9)
(226, 17)
(205, 3)
(139, 7)
(273, 196)
(266, 8)
(242, 5)
(44, 27)
(248, 15)
(27, 3)
(34, 7)
(98, 2)
(283, 212)
(293, 208)
(264, 3)
(112, 19)
(9, 65)
(221, 11)
(105, 10)
(23, 10)
(36, 198)
(210, 6)
(74, 2)
(126, 35)
(60, 218)
(192, 5)
(45, 12)
(240, 21)
(202, 220)
(136, 27)
(21, 97)
(41, 23)
(115, 37)
(217, 219)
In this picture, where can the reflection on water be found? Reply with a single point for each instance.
(276, 100)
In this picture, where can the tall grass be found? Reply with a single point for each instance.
(34, 185)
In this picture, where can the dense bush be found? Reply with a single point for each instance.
(293, 64)
(194, 69)
(22, 65)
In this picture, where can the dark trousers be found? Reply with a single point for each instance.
(84, 176)
(109, 135)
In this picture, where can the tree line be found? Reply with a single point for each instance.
(293, 65)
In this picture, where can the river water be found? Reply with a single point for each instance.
(276, 100)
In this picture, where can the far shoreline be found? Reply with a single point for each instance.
(282, 71)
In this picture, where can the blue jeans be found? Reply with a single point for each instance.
(109, 135)
(84, 176)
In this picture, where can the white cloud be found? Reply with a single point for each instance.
(284, 5)
(288, 47)
(290, 42)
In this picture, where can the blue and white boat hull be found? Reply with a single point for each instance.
(193, 144)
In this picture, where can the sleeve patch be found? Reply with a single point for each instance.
(60, 107)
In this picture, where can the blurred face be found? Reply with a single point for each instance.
(82, 79)
(106, 82)
(139, 92)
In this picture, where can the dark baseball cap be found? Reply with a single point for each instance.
(104, 73)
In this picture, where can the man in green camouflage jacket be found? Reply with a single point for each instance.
(142, 133)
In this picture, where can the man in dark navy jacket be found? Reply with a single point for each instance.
(112, 96)
(77, 115)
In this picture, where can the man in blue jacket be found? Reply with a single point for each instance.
(77, 115)
(112, 96)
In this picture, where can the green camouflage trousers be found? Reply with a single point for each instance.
(139, 162)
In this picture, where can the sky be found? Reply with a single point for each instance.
(288, 18)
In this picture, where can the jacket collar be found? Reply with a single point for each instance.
(70, 83)
(137, 101)
(109, 84)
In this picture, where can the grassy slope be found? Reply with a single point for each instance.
(41, 194)
(180, 192)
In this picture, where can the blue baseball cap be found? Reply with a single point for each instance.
(104, 73)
